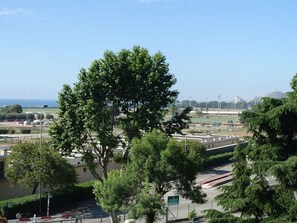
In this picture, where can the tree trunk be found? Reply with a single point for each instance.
(35, 188)
(150, 217)
(295, 194)
(113, 217)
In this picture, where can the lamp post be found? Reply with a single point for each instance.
(40, 146)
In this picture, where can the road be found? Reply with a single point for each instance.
(182, 210)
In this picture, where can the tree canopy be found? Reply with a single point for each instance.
(157, 165)
(271, 153)
(12, 109)
(30, 166)
(118, 98)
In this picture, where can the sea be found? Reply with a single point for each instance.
(29, 103)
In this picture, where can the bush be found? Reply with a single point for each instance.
(30, 204)
(218, 159)
(192, 214)
(29, 116)
(193, 131)
(4, 131)
(15, 116)
(12, 131)
(49, 116)
(79, 192)
(26, 131)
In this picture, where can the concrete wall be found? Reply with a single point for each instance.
(7, 190)
(222, 149)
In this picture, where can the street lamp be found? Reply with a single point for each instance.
(40, 144)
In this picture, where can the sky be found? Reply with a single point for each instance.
(225, 48)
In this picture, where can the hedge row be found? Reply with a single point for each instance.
(12, 131)
(12, 116)
(30, 204)
(218, 159)
(4, 131)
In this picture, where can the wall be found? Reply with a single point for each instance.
(8, 190)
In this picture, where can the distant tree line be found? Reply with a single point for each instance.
(15, 112)
(12, 112)
(214, 104)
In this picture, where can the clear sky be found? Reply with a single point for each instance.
(231, 48)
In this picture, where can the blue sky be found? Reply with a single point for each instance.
(231, 48)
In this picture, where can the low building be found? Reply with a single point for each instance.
(210, 141)
(8, 190)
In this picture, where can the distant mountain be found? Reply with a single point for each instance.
(255, 100)
(276, 94)
(238, 99)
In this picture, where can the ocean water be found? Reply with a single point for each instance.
(29, 103)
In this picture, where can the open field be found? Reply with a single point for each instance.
(38, 110)
(209, 119)
(202, 124)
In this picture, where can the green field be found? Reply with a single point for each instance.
(44, 110)
(209, 119)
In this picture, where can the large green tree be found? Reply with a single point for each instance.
(31, 165)
(233, 198)
(157, 165)
(118, 98)
(272, 153)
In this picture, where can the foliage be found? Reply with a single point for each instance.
(12, 112)
(192, 214)
(12, 109)
(178, 122)
(106, 97)
(150, 205)
(157, 165)
(214, 104)
(251, 196)
(234, 198)
(218, 159)
(271, 152)
(30, 116)
(49, 116)
(4, 131)
(12, 116)
(286, 172)
(67, 195)
(118, 98)
(31, 165)
(215, 216)
(30, 203)
(40, 116)
(114, 194)
(26, 131)
(272, 124)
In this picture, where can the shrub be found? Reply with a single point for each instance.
(26, 131)
(49, 116)
(218, 159)
(192, 214)
(4, 131)
(12, 131)
(15, 116)
(29, 116)
(30, 204)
